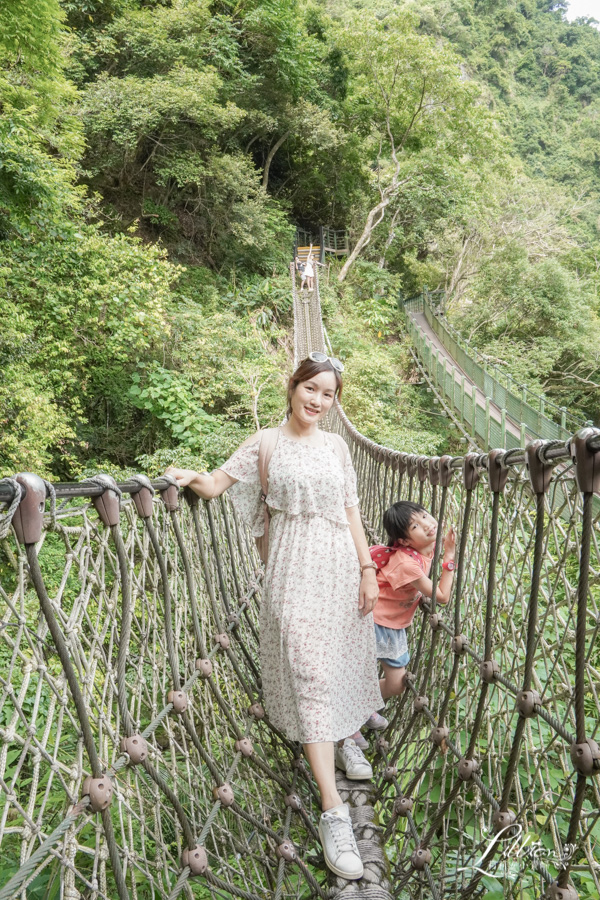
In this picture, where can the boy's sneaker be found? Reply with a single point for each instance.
(375, 722)
(339, 844)
(350, 759)
(359, 740)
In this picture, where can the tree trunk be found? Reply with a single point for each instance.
(387, 194)
(270, 155)
(390, 239)
(365, 237)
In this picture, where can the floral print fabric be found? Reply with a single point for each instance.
(317, 650)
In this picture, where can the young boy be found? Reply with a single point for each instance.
(403, 576)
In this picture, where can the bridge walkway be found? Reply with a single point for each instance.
(469, 389)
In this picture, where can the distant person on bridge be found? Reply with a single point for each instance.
(317, 643)
(299, 267)
(309, 272)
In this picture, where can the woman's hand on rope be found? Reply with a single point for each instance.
(205, 485)
(369, 592)
(183, 477)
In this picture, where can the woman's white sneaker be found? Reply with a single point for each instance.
(351, 760)
(339, 844)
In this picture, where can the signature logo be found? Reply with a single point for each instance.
(517, 845)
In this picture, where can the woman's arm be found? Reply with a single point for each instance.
(369, 589)
(205, 485)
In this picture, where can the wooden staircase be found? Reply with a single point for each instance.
(326, 240)
(303, 252)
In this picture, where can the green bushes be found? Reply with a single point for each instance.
(380, 395)
(81, 312)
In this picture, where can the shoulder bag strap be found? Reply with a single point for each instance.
(340, 447)
(268, 442)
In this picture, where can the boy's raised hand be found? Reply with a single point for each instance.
(449, 544)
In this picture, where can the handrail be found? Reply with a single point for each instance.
(526, 408)
(499, 707)
(335, 240)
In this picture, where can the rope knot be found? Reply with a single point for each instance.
(7, 518)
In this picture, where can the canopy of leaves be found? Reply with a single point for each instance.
(156, 156)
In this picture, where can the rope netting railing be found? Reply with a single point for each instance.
(136, 760)
(134, 752)
(491, 755)
(488, 785)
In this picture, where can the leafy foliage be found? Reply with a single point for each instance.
(525, 269)
(380, 388)
(140, 138)
(84, 310)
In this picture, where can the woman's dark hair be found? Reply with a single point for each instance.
(397, 519)
(307, 370)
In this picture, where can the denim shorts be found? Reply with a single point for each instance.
(392, 646)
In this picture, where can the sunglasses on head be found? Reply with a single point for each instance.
(318, 357)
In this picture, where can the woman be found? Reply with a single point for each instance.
(316, 633)
(309, 272)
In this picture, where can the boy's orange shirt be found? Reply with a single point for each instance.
(398, 599)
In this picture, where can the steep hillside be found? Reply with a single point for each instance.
(156, 157)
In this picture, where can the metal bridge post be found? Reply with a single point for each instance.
(563, 417)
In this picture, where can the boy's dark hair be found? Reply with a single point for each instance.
(397, 519)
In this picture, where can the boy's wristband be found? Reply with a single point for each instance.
(449, 566)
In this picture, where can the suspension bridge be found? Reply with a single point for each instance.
(489, 408)
(137, 760)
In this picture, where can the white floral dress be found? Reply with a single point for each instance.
(317, 650)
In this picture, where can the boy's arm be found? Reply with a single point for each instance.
(444, 585)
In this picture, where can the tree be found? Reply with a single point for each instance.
(417, 114)
(40, 140)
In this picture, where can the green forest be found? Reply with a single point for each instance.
(156, 157)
